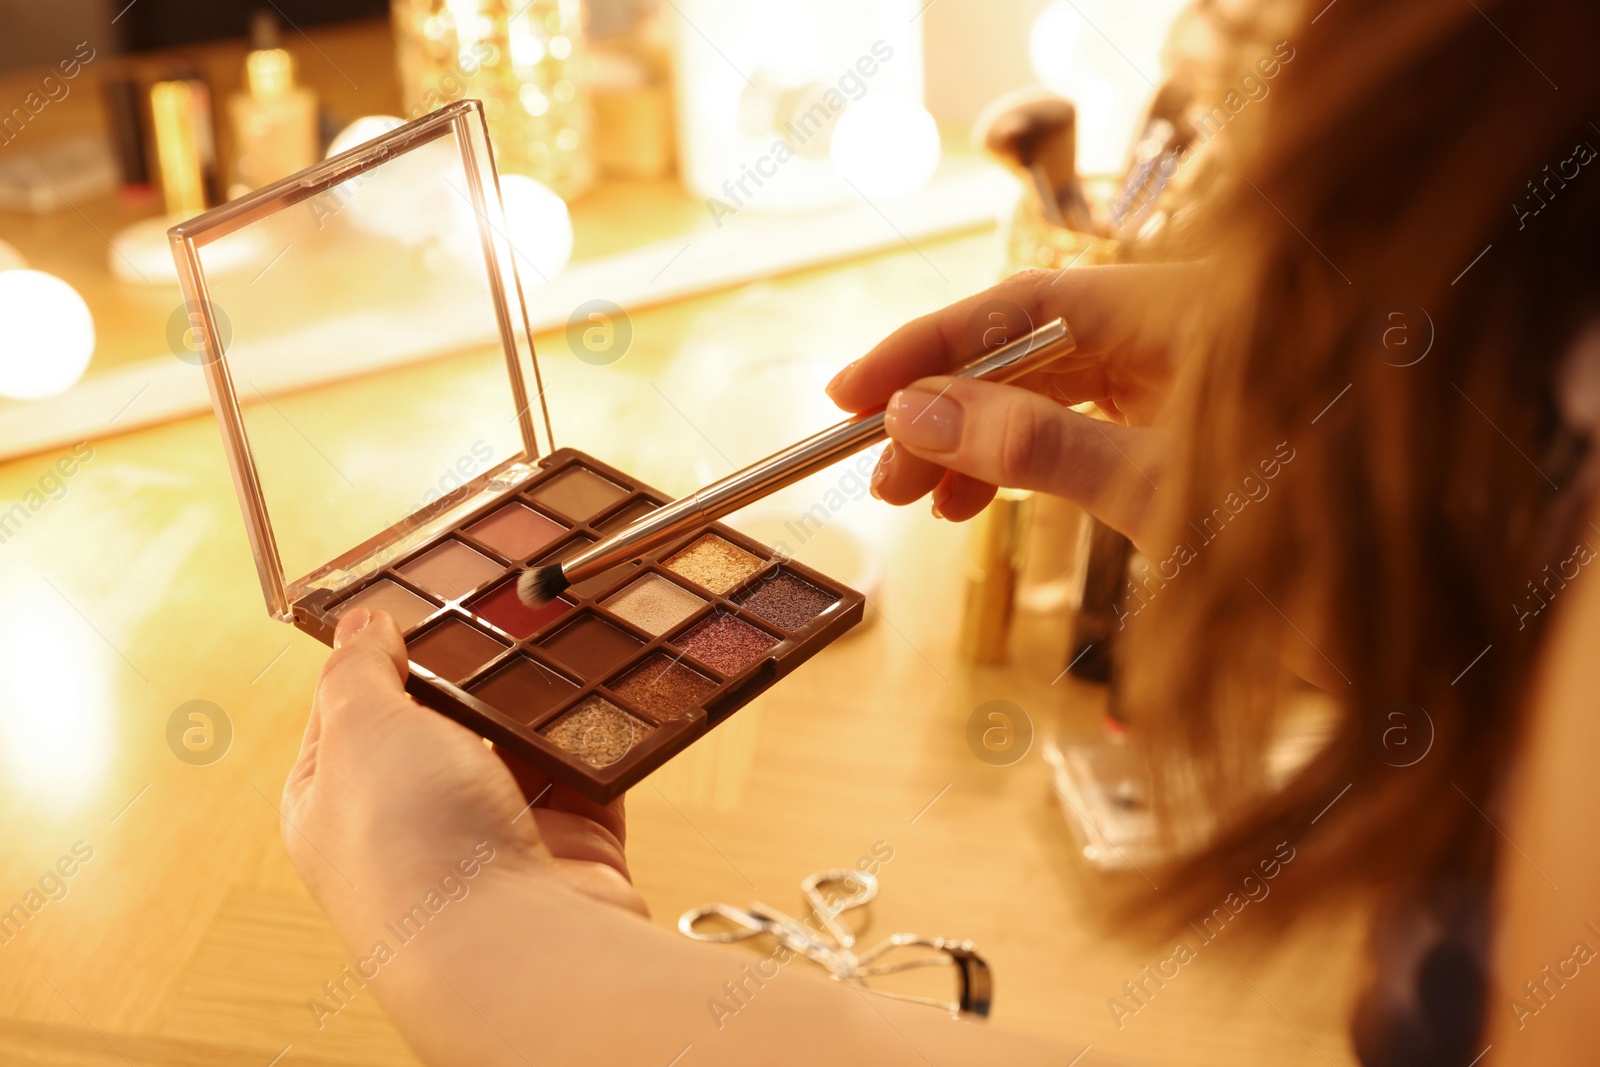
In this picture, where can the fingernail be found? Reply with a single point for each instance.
(929, 422)
(837, 380)
(881, 471)
(940, 495)
(351, 623)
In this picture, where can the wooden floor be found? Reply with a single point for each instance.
(186, 939)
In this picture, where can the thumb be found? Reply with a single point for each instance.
(368, 666)
(1013, 437)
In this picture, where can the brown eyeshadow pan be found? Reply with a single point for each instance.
(630, 514)
(591, 646)
(503, 607)
(453, 649)
(578, 493)
(785, 601)
(451, 570)
(516, 531)
(523, 690)
(715, 563)
(654, 604)
(598, 732)
(406, 607)
(664, 688)
(726, 642)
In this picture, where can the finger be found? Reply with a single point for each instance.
(902, 477)
(1092, 299)
(1008, 436)
(367, 669)
(958, 497)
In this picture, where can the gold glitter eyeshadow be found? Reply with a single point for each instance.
(598, 732)
(714, 563)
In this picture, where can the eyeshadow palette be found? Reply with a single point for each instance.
(605, 684)
(597, 688)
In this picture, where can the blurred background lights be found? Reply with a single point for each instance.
(886, 146)
(538, 226)
(56, 709)
(46, 335)
(1104, 56)
(10, 258)
(362, 130)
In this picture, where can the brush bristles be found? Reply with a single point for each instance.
(541, 585)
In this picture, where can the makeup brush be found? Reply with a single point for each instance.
(1006, 363)
(1037, 133)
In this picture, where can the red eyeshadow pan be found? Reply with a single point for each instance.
(506, 610)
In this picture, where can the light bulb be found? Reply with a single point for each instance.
(538, 227)
(886, 146)
(46, 335)
(362, 130)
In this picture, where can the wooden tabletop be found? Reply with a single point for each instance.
(186, 938)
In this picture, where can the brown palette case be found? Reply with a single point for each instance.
(604, 685)
(598, 688)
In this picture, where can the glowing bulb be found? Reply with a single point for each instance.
(366, 128)
(46, 335)
(10, 258)
(538, 226)
(886, 146)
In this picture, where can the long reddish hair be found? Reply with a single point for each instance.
(1428, 159)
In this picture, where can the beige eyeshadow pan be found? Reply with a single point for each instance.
(654, 604)
(406, 607)
(452, 570)
(579, 493)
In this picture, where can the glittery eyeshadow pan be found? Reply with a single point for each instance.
(654, 604)
(598, 732)
(406, 607)
(664, 688)
(714, 563)
(786, 601)
(726, 643)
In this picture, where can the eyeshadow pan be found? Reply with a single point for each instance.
(786, 601)
(664, 688)
(591, 646)
(516, 531)
(407, 607)
(579, 493)
(726, 642)
(600, 582)
(451, 570)
(630, 514)
(654, 604)
(598, 732)
(503, 607)
(523, 690)
(715, 563)
(453, 650)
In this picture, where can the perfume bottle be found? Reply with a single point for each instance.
(274, 120)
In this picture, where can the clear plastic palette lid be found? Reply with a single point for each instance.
(393, 253)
